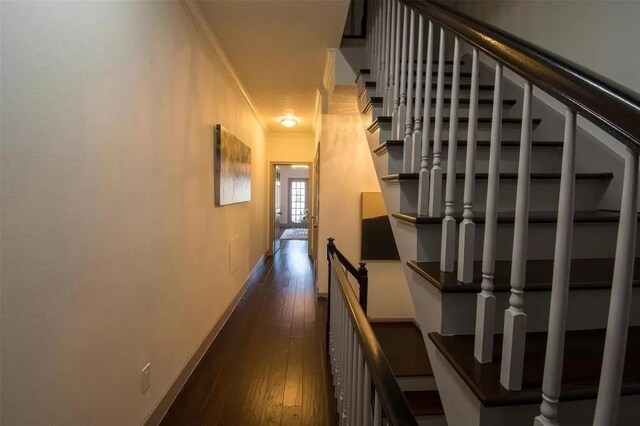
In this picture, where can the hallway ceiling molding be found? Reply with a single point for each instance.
(278, 50)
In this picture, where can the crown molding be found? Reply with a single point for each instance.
(199, 21)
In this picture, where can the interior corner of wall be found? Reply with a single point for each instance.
(328, 81)
(344, 74)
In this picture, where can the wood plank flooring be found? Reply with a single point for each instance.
(268, 364)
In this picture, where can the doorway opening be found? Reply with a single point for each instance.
(291, 203)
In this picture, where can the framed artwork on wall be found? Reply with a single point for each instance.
(232, 168)
(376, 241)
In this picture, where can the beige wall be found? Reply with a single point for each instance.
(291, 147)
(113, 254)
(599, 35)
(346, 170)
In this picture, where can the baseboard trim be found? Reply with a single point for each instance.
(162, 407)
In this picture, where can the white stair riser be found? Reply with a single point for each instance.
(509, 131)
(361, 79)
(484, 111)
(543, 195)
(464, 92)
(544, 160)
(590, 240)
(588, 309)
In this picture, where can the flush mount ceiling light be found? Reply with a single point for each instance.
(288, 121)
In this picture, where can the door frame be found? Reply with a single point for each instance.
(272, 200)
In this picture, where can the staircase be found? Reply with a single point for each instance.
(518, 228)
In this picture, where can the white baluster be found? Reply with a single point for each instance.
(402, 106)
(560, 282)
(423, 182)
(389, 31)
(486, 302)
(417, 123)
(345, 368)
(448, 243)
(466, 244)
(366, 396)
(379, 43)
(371, 44)
(354, 379)
(515, 320)
(396, 67)
(435, 190)
(377, 410)
(408, 123)
(615, 343)
(352, 376)
(381, 80)
(359, 391)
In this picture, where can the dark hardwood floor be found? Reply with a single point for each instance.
(268, 363)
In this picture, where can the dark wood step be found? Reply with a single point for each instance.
(404, 348)
(435, 62)
(385, 119)
(399, 177)
(434, 73)
(581, 373)
(596, 216)
(425, 403)
(378, 100)
(434, 86)
(585, 274)
(394, 143)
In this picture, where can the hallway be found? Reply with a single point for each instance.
(267, 365)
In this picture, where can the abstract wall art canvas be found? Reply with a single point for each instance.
(377, 242)
(232, 168)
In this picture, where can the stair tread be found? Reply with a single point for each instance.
(434, 85)
(434, 73)
(509, 217)
(461, 120)
(581, 372)
(435, 62)
(404, 348)
(425, 403)
(585, 274)
(463, 101)
(397, 177)
(397, 143)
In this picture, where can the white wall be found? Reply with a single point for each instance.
(287, 173)
(599, 35)
(113, 254)
(346, 170)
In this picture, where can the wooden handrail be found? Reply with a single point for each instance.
(394, 403)
(607, 104)
(360, 274)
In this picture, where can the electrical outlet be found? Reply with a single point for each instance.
(145, 378)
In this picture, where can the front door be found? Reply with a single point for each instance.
(298, 198)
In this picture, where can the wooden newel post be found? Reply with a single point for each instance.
(363, 281)
(330, 250)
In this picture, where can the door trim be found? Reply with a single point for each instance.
(271, 198)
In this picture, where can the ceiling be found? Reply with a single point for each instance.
(278, 50)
